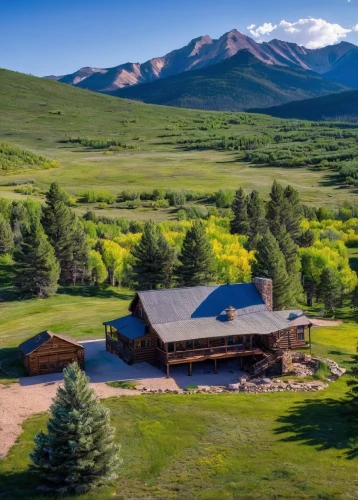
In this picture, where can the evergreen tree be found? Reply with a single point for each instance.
(65, 234)
(36, 270)
(168, 254)
(293, 266)
(240, 222)
(197, 257)
(6, 236)
(78, 450)
(293, 214)
(275, 207)
(354, 300)
(257, 221)
(152, 259)
(306, 239)
(353, 383)
(270, 263)
(329, 289)
(284, 209)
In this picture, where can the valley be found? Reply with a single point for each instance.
(41, 115)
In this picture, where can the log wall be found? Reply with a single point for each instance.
(53, 356)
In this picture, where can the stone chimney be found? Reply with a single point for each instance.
(231, 313)
(264, 287)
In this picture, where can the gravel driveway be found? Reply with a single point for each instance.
(34, 394)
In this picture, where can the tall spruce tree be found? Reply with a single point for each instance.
(65, 234)
(353, 393)
(6, 236)
(153, 259)
(240, 222)
(276, 207)
(36, 269)
(257, 221)
(270, 263)
(78, 451)
(329, 289)
(284, 209)
(197, 257)
(293, 266)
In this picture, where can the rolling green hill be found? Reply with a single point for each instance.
(340, 107)
(236, 84)
(163, 147)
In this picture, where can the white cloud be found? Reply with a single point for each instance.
(312, 33)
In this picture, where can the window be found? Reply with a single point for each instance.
(300, 333)
(143, 344)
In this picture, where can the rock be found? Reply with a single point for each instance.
(233, 387)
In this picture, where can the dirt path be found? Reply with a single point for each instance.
(325, 322)
(17, 403)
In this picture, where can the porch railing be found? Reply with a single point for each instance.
(205, 352)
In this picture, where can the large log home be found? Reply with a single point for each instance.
(188, 325)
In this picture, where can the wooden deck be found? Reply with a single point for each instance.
(201, 354)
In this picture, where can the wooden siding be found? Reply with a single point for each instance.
(53, 356)
(132, 351)
(285, 339)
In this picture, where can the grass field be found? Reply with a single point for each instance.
(38, 114)
(228, 446)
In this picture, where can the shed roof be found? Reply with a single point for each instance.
(181, 304)
(261, 323)
(36, 341)
(130, 326)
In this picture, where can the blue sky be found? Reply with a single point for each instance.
(45, 37)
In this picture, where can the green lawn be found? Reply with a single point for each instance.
(228, 446)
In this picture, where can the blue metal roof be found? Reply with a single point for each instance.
(129, 326)
(180, 304)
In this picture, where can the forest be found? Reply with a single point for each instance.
(303, 249)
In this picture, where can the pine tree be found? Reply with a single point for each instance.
(329, 289)
(6, 236)
(152, 255)
(168, 254)
(197, 257)
(353, 383)
(275, 208)
(240, 222)
(257, 221)
(78, 450)
(36, 269)
(293, 213)
(293, 266)
(271, 264)
(65, 234)
(354, 300)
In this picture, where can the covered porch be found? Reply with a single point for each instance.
(198, 350)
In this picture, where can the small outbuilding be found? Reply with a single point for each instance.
(49, 352)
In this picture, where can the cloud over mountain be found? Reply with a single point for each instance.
(312, 33)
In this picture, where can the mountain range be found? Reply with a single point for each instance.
(233, 72)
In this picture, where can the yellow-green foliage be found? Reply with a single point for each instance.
(329, 250)
(13, 158)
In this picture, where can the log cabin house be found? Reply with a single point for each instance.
(49, 352)
(189, 325)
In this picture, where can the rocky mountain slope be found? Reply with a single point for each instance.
(238, 83)
(205, 51)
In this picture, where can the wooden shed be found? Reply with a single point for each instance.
(49, 352)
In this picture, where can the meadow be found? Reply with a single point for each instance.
(161, 147)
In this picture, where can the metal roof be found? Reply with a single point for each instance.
(261, 323)
(181, 304)
(33, 343)
(130, 326)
